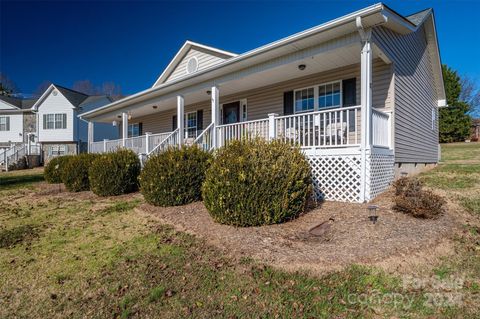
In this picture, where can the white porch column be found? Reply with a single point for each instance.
(105, 145)
(124, 128)
(272, 132)
(366, 103)
(180, 119)
(147, 142)
(215, 102)
(90, 136)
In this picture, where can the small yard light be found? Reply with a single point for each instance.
(372, 213)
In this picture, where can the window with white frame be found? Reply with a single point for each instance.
(304, 100)
(330, 95)
(191, 125)
(134, 130)
(57, 150)
(56, 121)
(4, 123)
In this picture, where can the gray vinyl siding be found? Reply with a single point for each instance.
(269, 99)
(415, 95)
(205, 59)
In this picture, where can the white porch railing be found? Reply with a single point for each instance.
(113, 145)
(242, 130)
(169, 141)
(380, 129)
(15, 152)
(205, 139)
(322, 129)
(97, 147)
(332, 128)
(138, 144)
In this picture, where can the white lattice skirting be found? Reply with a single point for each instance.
(338, 177)
(380, 172)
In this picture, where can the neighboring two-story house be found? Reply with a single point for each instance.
(59, 129)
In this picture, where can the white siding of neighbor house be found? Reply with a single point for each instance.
(415, 95)
(15, 134)
(57, 104)
(205, 60)
(269, 99)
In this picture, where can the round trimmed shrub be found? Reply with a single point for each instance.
(115, 173)
(175, 177)
(75, 172)
(252, 183)
(53, 170)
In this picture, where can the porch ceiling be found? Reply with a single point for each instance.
(315, 63)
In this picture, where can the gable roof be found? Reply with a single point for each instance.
(93, 98)
(75, 98)
(21, 104)
(374, 15)
(181, 54)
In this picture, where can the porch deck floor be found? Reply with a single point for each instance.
(393, 243)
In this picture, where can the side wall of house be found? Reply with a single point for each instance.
(269, 99)
(15, 133)
(415, 113)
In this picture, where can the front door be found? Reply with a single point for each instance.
(231, 112)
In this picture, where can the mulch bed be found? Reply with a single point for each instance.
(394, 242)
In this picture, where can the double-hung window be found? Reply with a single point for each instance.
(54, 121)
(191, 125)
(304, 100)
(4, 123)
(329, 95)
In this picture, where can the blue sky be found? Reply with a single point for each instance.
(130, 42)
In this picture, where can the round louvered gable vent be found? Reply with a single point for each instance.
(192, 65)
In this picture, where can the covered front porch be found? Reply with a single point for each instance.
(333, 99)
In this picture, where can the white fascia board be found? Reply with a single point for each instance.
(42, 97)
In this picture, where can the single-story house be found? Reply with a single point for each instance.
(359, 94)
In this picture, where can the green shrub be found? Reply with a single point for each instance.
(257, 182)
(54, 168)
(75, 172)
(411, 198)
(175, 177)
(115, 173)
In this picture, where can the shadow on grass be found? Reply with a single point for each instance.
(8, 181)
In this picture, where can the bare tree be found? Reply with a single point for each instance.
(42, 87)
(85, 87)
(470, 94)
(112, 90)
(7, 86)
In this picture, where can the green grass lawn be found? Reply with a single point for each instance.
(20, 179)
(65, 255)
